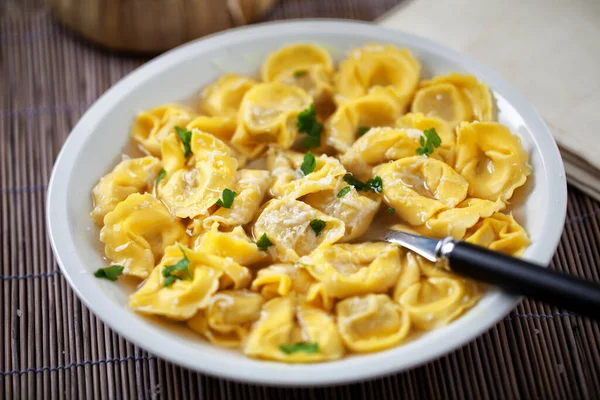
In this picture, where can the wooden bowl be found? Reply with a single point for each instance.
(154, 25)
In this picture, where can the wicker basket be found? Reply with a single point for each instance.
(154, 25)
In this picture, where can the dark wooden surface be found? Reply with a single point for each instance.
(51, 346)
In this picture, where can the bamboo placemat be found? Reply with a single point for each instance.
(51, 346)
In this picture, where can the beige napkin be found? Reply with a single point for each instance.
(548, 49)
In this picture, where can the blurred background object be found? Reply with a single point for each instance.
(153, 26)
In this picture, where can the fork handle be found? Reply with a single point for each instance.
(523, 278)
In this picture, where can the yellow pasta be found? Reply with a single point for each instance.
(454, 98)
(268, 114)
(227, 319)
(492, 160)
(235, 231)
(137, 231)
(135, 175)
(285, 323)
(152, 126)
(223, 98)
(371, 323)
(286, 223)
(376, 109)
(347, 270)
(419, 187)
(500, 232)
(378, 66)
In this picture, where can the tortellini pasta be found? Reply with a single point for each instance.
(376, 109)
(268, 114)
(286, 223)
(227, 319)
(137, 231)
(192, 291)
(492, 160)
(378, 66)
(500, 232)
(255, 217)
(284, 323)
(371, 323)
(419, 187)
(135, 175)
(152, 126)
(454, 98)
(223, 98)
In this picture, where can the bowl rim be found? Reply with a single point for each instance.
(375, 365)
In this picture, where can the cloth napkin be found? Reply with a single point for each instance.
(548, 49)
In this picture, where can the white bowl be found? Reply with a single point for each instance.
(95, 143)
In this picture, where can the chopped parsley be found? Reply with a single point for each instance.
(374, 184)
(161, 176)
(228, 197)
(263, 243)
(300, 73)
(111, 273)
(362, 130)
(317, 226)
(307, 123)
(391, 210)
(309, 164)
(343, 192)
(429, 142)
(182, 266)
(306, 347)
(186, 139)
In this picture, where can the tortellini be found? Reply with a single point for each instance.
(135, 175)
(347, 270)
(227, 319)
(371, 323)
(283, 323)
(251, 219)
(500, 232)
(268, 114)
(376, 109)
(223, 97)
(137, 231)
(492, 160)
(152, 126)
(419, 187)
(286, 223)
(304, 65)
(194, 287)
(378, 66)
(191, 191)
(235, 245)
(454, 98)
(289, 181)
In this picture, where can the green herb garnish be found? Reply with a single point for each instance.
(182, 266)
(186, 138)
(263, 243)
(307, 123)
(161, 176)
(375, 184)
(391, 210)
(429, 142)
(300, 73)
(228, 197)
(317, 226)
(301, 346)
(362, 130)
(309, 164)
(111, 273)
(343, 192)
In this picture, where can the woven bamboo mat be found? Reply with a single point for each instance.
(51, 346)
